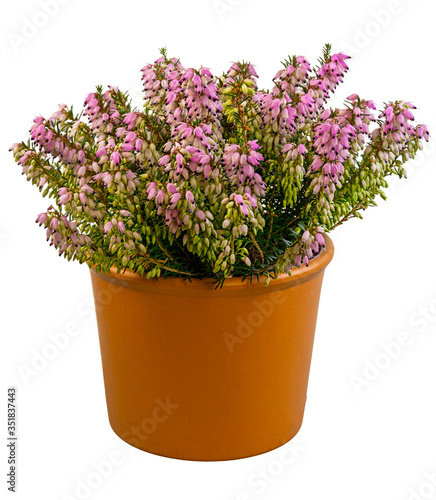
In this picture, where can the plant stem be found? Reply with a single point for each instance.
(351, 213)
(253, 239)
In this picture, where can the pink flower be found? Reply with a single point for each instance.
(171, 188)
(164, 160)
(179, 159)
(160, 196)
(200, 214)
(306, 236)
(171, 97)
(175, 198)
(407, 114)
(320, 239)
(190, 196)
(42, 217)
(130, 118)
(151, 193)
(115, 157)
(275, 103)
(64, 199)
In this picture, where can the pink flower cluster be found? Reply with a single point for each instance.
(332, 145)
(236, 69)
(278, 113)
(102, 112)
(157, 78)
(214, 177)
(61, 232)
(311, 243)
(396, 130)
(184, 96)
(240, 167)
(44, 134)
(298, 96)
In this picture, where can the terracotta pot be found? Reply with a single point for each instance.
(196, 373)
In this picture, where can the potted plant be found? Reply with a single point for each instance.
(203, 219)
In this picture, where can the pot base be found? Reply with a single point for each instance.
(172, 453)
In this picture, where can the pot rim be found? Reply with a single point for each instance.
(234, 286)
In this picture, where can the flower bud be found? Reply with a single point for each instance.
(306, 236)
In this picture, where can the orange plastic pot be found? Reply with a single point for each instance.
(195, 373)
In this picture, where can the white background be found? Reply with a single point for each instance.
(378, 442)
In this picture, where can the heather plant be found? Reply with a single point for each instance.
(214, 177)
